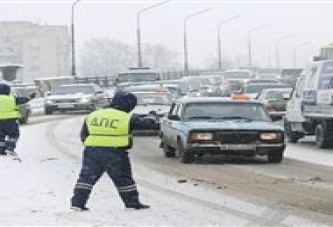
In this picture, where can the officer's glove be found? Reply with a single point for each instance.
(154, 120)
(32, 95)
(153, 113)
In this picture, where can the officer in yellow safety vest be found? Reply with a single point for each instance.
(9, 114)
(106, 135)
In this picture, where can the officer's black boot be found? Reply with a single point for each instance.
(137, 206)
(79, 199)
(79, 209)
(132, 201)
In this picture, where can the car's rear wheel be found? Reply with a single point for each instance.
(275, 156)
(292, 137)
(169, 152)
(48, 111)
(24, 119)
(323, 139)
(185, 156)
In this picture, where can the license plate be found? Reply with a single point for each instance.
(65, 106)
(238, 147)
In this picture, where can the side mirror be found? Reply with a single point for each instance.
(276, 118)
(174, 117)
(48, 93)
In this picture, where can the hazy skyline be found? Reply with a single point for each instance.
(307, 20)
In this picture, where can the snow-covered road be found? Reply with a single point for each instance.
(37, 191)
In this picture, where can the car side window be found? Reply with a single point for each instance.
(173, 109)
(178, 110)
(173, 114)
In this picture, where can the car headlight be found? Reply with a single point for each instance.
(270, 136)
(48, 101)
(85, 100)
(201, 136)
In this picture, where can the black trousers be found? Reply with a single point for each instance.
(9, 135)
(116, 163)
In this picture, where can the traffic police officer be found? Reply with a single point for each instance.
(9, 113)
(106, 135)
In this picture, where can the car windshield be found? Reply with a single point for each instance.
(236, 75)
(234, 87)
(74, 89)
(277, 94)
(184, 87)
(137, 77)
(195, 84)
(153, 99)
(257, 88)
(225, 111)
(268, 76)
(258, 81)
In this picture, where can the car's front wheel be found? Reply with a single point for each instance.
(185, 156)
(275, 156)
(24, 119)
(168, 151)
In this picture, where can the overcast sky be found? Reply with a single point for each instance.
(308, 21)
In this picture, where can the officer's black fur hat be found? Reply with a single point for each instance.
(124, 101)
(4, 89)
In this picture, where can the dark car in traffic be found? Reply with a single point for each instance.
(275, 101)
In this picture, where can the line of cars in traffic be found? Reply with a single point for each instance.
(222, 125)
(195, 123)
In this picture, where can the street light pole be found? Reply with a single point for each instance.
(277, 47)
(138, 23)
(295, 51)
(73, 72)
(219, 42)
(250, 42)
(185, 36)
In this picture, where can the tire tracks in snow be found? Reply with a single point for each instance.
(268, 218)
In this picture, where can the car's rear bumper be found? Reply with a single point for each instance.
(277, 113)
(154, 132)
(70, 107)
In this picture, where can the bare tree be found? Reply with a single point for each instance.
(160, 57)
(106, 57)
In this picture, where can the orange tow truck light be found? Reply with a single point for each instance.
(240, 97)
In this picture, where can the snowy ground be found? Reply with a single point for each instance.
(37, 191)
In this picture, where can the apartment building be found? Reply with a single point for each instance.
(43, 50)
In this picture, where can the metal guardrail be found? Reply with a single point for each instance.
(108, 81)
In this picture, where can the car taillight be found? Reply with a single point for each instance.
(270, 108)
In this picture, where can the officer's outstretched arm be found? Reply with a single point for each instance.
(143, 123)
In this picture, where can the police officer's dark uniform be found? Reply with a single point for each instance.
(9, 113)
(106, 136)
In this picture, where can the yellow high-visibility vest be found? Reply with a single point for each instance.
(108, 128)
(8, 107)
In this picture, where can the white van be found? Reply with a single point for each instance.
(310, 110)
